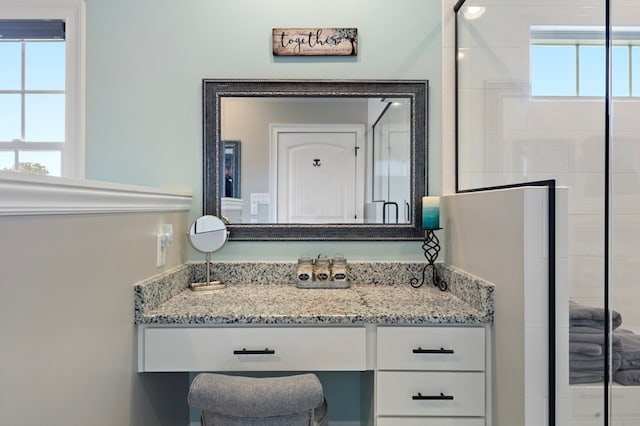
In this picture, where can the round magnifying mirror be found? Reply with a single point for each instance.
(208, 234)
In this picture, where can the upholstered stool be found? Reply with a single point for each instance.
(225, 400)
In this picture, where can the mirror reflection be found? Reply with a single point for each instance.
(317, 160)
(341, 160)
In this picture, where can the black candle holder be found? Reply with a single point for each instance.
(431, 248)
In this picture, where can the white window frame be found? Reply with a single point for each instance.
(73, 13)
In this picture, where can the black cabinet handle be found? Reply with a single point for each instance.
(442, 396)
(244, 351)
(433, 351)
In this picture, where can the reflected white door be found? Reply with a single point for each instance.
(318, 176)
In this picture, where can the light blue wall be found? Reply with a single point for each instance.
(146, 60)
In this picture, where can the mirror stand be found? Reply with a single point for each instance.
(208, 284)
(208, 234)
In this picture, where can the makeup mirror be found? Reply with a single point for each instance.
(208, 234)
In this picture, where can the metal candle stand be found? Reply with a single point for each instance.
(431, 248)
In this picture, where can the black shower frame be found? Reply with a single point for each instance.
(551, 185)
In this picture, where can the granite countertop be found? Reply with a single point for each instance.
(166, 300)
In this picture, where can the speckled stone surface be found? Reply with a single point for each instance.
(265, 293)
(150, 293)
(471, 289)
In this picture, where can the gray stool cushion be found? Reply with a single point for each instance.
(273, 401)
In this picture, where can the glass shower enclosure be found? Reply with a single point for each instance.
(550, 91)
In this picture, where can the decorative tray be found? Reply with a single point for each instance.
(323, 284)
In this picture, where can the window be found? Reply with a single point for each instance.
(42, 88)
(570, 61)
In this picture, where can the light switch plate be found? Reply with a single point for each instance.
(161, 252)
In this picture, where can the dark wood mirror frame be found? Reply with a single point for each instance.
(213, 146)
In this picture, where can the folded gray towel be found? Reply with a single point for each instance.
(576, 378)
(589, 334)
(591, 343)
(581, 362)
(629, 349)
(593, 323)
(574, 329)
(597, 338)
(590, 316)
(627, 377)
(592, 349)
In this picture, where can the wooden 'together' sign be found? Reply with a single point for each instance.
(315, 41)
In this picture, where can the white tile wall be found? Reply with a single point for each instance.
(587, 193)
(586, 235)
(626, 197)
(587, 151)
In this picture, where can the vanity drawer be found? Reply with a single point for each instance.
(254, 349)
(431, 348)
(426, 421)
(437, 393)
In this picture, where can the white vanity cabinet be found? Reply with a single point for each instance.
(430, 376)
(423, 375)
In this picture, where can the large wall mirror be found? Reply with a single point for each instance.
(321, 160)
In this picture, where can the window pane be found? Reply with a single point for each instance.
(592, 70)
(620, 71)
(44, 65)
(9, 117)
(44, 118)
(6, 160)
(10, 69)
(635, 73)
(40, 162)
(553, 70)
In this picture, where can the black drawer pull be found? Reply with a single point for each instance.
(244, 351)
(433, 351)
(442, 396)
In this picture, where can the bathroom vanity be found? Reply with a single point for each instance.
(423, 353)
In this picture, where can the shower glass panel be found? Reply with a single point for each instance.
(624, 212)
(391, 154)
(532, 106)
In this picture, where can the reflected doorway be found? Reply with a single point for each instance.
(319, 173)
